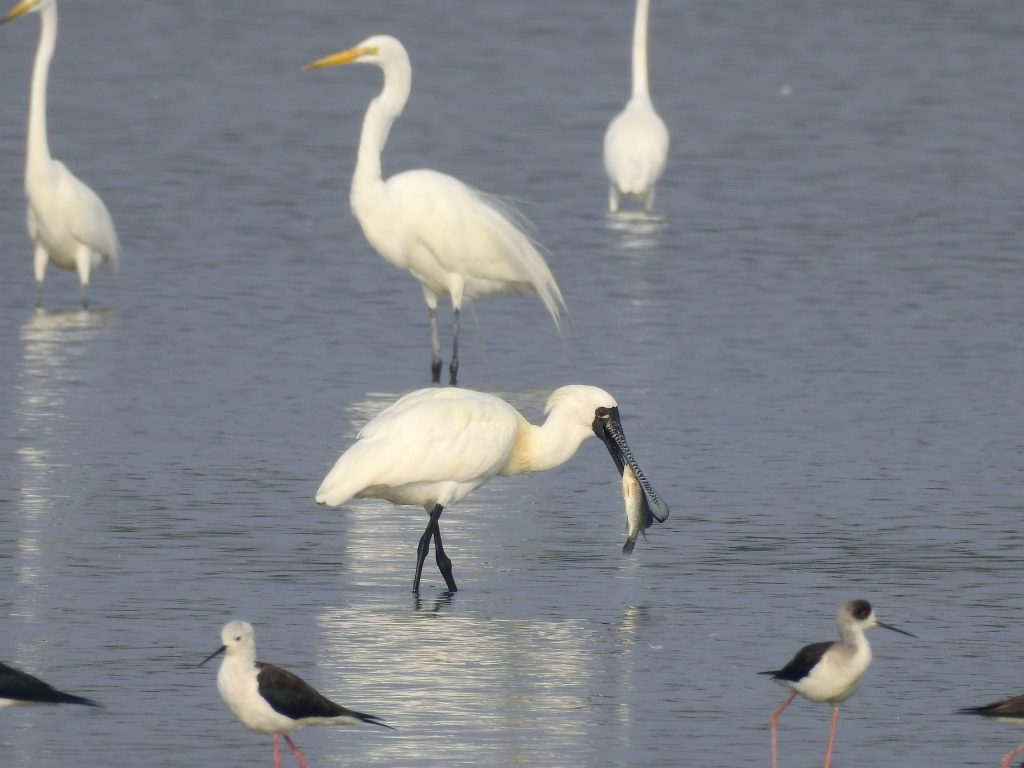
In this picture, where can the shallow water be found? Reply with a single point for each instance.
(815, 345)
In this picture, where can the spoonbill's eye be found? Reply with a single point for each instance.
(601, 413)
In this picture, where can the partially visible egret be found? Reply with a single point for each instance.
(21, 688)
(451, 237)
(68, 223)
(1010, 711)
(636, 142)
(435, 446)
(272, 700)
(830, 671)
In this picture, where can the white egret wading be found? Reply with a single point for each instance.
(1009, 711)
(433, 447)
(452, 238)
(271, 700)
(830, 671)
(20, 688)
(636, 142)
(68, 223)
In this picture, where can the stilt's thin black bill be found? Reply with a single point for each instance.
(895, 629)
(218, 652)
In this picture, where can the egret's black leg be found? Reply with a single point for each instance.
(454, 366)
(443, 563)
(435, 345)
(424, 546)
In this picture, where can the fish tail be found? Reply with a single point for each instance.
(627, 548)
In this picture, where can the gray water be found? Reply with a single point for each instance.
(815, 345)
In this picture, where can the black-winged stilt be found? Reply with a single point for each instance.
(271, 700)
(830, 671)
(1006, 711)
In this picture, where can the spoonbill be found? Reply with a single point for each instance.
(636, 142)
(830, 671)
(1006, 711)
(20, 688)
(67, 222)
(271, 700)
(433, 447)
(451, 237)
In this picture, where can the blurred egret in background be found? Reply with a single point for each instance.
(68, 223)
(454, 239)
(636, 142)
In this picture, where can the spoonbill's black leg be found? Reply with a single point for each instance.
(424, 546)
(443, 563)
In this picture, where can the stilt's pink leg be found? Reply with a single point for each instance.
(774, 724)
(1011, 754)
(831, 735)
(277, 755)
(295, 750)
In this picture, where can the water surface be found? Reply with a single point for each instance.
(815, 345)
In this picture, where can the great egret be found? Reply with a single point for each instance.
(271, 700)
(68, 223)
(435, 446)
(451, 237)
(830, 671)
(1006, 711)
(636, 142)
(17, 687)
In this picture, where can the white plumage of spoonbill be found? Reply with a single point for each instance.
(830, 671)
(271, 700)
(636, 142)
(451, 237)
(68, 223)
(433, 447)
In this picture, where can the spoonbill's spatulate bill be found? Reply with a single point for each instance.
(68, 223)
(435, 446)
(830, 671)
(636, 142)
(1009, 711)
(271, 700)
(20, 688)
(454, 239)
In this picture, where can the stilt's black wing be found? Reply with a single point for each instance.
(293, 697)
(21, 686)
(1009, 708)
(801, 665)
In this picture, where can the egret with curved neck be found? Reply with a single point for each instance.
(452, 238)
(68, 223)
(434, 447)
(636, 142)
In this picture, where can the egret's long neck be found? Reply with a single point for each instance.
(640, 87)
(380, 116)
(546, 446)
(38, 148)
